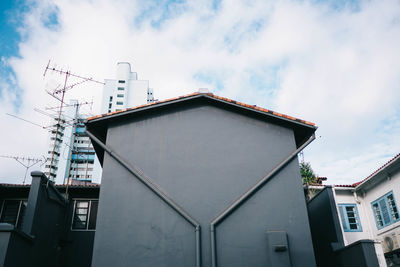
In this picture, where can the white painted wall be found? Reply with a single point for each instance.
(390, 184)
(134, 93)
(363, 199)
(137, 93)
(346, 196)
(108, 90)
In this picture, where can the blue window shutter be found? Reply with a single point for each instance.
(385, 211)
(343, 217)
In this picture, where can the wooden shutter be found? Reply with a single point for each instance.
(385, 211)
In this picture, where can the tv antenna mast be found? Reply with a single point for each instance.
(27, 162)
(56, 92)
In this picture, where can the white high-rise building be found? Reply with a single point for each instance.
(125, 91)
(71, 156)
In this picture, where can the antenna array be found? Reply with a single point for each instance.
(59, 94)
(29, 162)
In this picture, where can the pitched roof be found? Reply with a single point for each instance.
(98, 125)
(372, 175)
(254, 107)
(384, 166)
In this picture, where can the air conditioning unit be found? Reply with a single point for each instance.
(391, 241)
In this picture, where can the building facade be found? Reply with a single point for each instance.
(60, 135)
(70, 155)
(82, 164)
(125, 91)
(201, 180)
(369, 209)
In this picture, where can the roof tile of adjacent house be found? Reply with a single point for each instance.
(371, 175)
(378, 170)
(83, 185)
(212, 96)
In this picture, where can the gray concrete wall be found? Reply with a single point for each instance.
(358, 254)
(325, 227)
(204, 157)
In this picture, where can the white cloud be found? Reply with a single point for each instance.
(336, 67)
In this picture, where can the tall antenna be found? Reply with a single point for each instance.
(301, 156)
(29, 162)
(56, 94)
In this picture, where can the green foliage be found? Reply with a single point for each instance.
(307, 174)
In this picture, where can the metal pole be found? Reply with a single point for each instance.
(246, 195)
(57, 129)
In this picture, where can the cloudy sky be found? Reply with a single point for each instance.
(335, 63)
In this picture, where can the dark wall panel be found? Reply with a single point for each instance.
(325, 228)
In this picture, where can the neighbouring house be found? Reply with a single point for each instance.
(46, 225)
(368, 209)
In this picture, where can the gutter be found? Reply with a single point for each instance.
(238, 202)
(155, 189)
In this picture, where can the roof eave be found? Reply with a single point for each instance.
(379, 174)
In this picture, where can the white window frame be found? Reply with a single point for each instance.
(88, 214)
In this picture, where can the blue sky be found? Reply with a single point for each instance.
(335, 63)
(8, 31)
(9, 37)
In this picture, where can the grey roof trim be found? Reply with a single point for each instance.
(183, 99)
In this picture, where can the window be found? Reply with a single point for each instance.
(110, 98)
(121, 81)
(350, 219)
(13, 212)
(120, 95)
(120, 103)
(121, 88)
(385, 210)
(85, 214)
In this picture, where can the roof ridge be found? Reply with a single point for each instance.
(253, 107)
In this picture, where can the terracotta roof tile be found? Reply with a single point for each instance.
(344, 185)
(378, 170)
(57, 185)
(213, 96)
(371, 175)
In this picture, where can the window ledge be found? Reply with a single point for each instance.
(388, 228)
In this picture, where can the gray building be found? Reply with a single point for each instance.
(201, 180)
